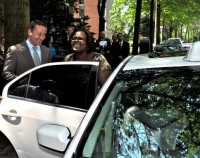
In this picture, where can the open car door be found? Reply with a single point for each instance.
(54, 93)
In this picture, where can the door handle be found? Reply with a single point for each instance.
(11, 113)
(11, 116)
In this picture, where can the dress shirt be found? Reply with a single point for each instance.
(120, 43)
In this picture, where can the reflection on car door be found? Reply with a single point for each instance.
(58, 94)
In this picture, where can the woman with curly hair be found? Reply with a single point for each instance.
(83, 48)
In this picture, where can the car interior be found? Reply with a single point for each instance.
(74, 86)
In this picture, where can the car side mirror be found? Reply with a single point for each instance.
(53, 136)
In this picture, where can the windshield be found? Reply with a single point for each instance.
(148, 113)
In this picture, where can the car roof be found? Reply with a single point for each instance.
(174, 38)
(143, 61)
(192, 58)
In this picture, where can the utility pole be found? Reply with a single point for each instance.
(101, 11)
(155, 27)
(81, 12)
(151, 29)
(137, 27)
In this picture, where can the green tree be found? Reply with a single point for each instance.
(16, 21)
(178, 17)
(55, 13)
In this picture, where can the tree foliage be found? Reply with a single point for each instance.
(178, 17)
(56, 15)
(16, 21)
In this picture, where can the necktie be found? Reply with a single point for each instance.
(36, 56)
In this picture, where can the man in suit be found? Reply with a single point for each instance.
(67, 41)
(103, 45)
(20, 57)
(119, 50)
(114, 37)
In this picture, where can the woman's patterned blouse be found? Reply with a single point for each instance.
(104, 65)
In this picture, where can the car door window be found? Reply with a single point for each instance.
(69, 85)
(19, 88)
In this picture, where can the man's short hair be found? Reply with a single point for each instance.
(36, 22)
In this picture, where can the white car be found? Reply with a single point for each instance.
(149, 107)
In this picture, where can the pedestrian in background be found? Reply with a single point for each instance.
(66, 41)
(28, 54)
(83, 48)
(114, 37)
(2, 42)
(49, 42)
(103, 45)
(119, 50)
(52, 47)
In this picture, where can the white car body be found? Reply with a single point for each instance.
(44, 131)
(132, 63)
(137, 62)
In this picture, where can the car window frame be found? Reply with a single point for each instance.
(94, 68)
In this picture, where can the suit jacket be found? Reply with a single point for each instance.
(117, 50)
(118, 53)
(105, 49)
(18, 60)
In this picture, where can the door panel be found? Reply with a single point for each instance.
(31, 103)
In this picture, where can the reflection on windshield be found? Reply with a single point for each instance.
(149, 113)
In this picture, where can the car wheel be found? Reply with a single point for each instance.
(6, 148)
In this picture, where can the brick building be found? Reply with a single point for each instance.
(90, 9)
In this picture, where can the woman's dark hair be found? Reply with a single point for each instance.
(89, 38)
